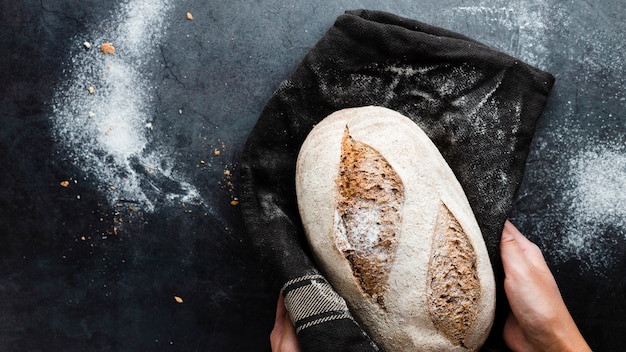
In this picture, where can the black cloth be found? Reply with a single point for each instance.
(479, 106)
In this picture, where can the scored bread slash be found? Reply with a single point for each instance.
(178, 299)
(107, 48)
(370, 247)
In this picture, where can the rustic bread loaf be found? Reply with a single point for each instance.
(393, 232)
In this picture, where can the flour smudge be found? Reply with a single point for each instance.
(594, 205)
(103, 114)
(571, 201)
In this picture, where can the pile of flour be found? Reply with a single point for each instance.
(103, 112)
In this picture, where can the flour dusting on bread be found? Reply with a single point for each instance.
(368, 214)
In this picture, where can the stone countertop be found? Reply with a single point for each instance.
(118, 202)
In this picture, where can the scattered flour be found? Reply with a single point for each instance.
(577, 170)
(103, 114)
(576, 207)
(595, 198)
(599, 177)
(519, 27)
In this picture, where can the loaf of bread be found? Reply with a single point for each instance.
(391, 229)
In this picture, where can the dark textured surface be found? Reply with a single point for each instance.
(114, 289)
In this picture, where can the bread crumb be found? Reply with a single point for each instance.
(216, 152)
(227, 172)
(91, 89)
(189, 16)
(64, 183)
(87, 45)
(107, 48)
(178, 299)
(234, 202)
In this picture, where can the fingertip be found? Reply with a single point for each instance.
(281, 302)
(511, 251)
(528, 247)
(508, 225)
(507, 232)
(281, 311)
(513, 231)
(510, 236)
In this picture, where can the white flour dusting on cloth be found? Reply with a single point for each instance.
(103, 116)
(573, 199)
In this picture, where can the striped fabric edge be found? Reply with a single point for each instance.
(311, 300)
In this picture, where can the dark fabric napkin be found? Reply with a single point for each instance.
(479, 106)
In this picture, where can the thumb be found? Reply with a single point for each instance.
(530, 250)
(279, 323)
(508, 233)
(513, 257)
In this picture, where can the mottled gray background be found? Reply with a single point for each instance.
(92, 267)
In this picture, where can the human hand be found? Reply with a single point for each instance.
(283, 337)
(539, 319)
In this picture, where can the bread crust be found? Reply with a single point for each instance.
(424, 261)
